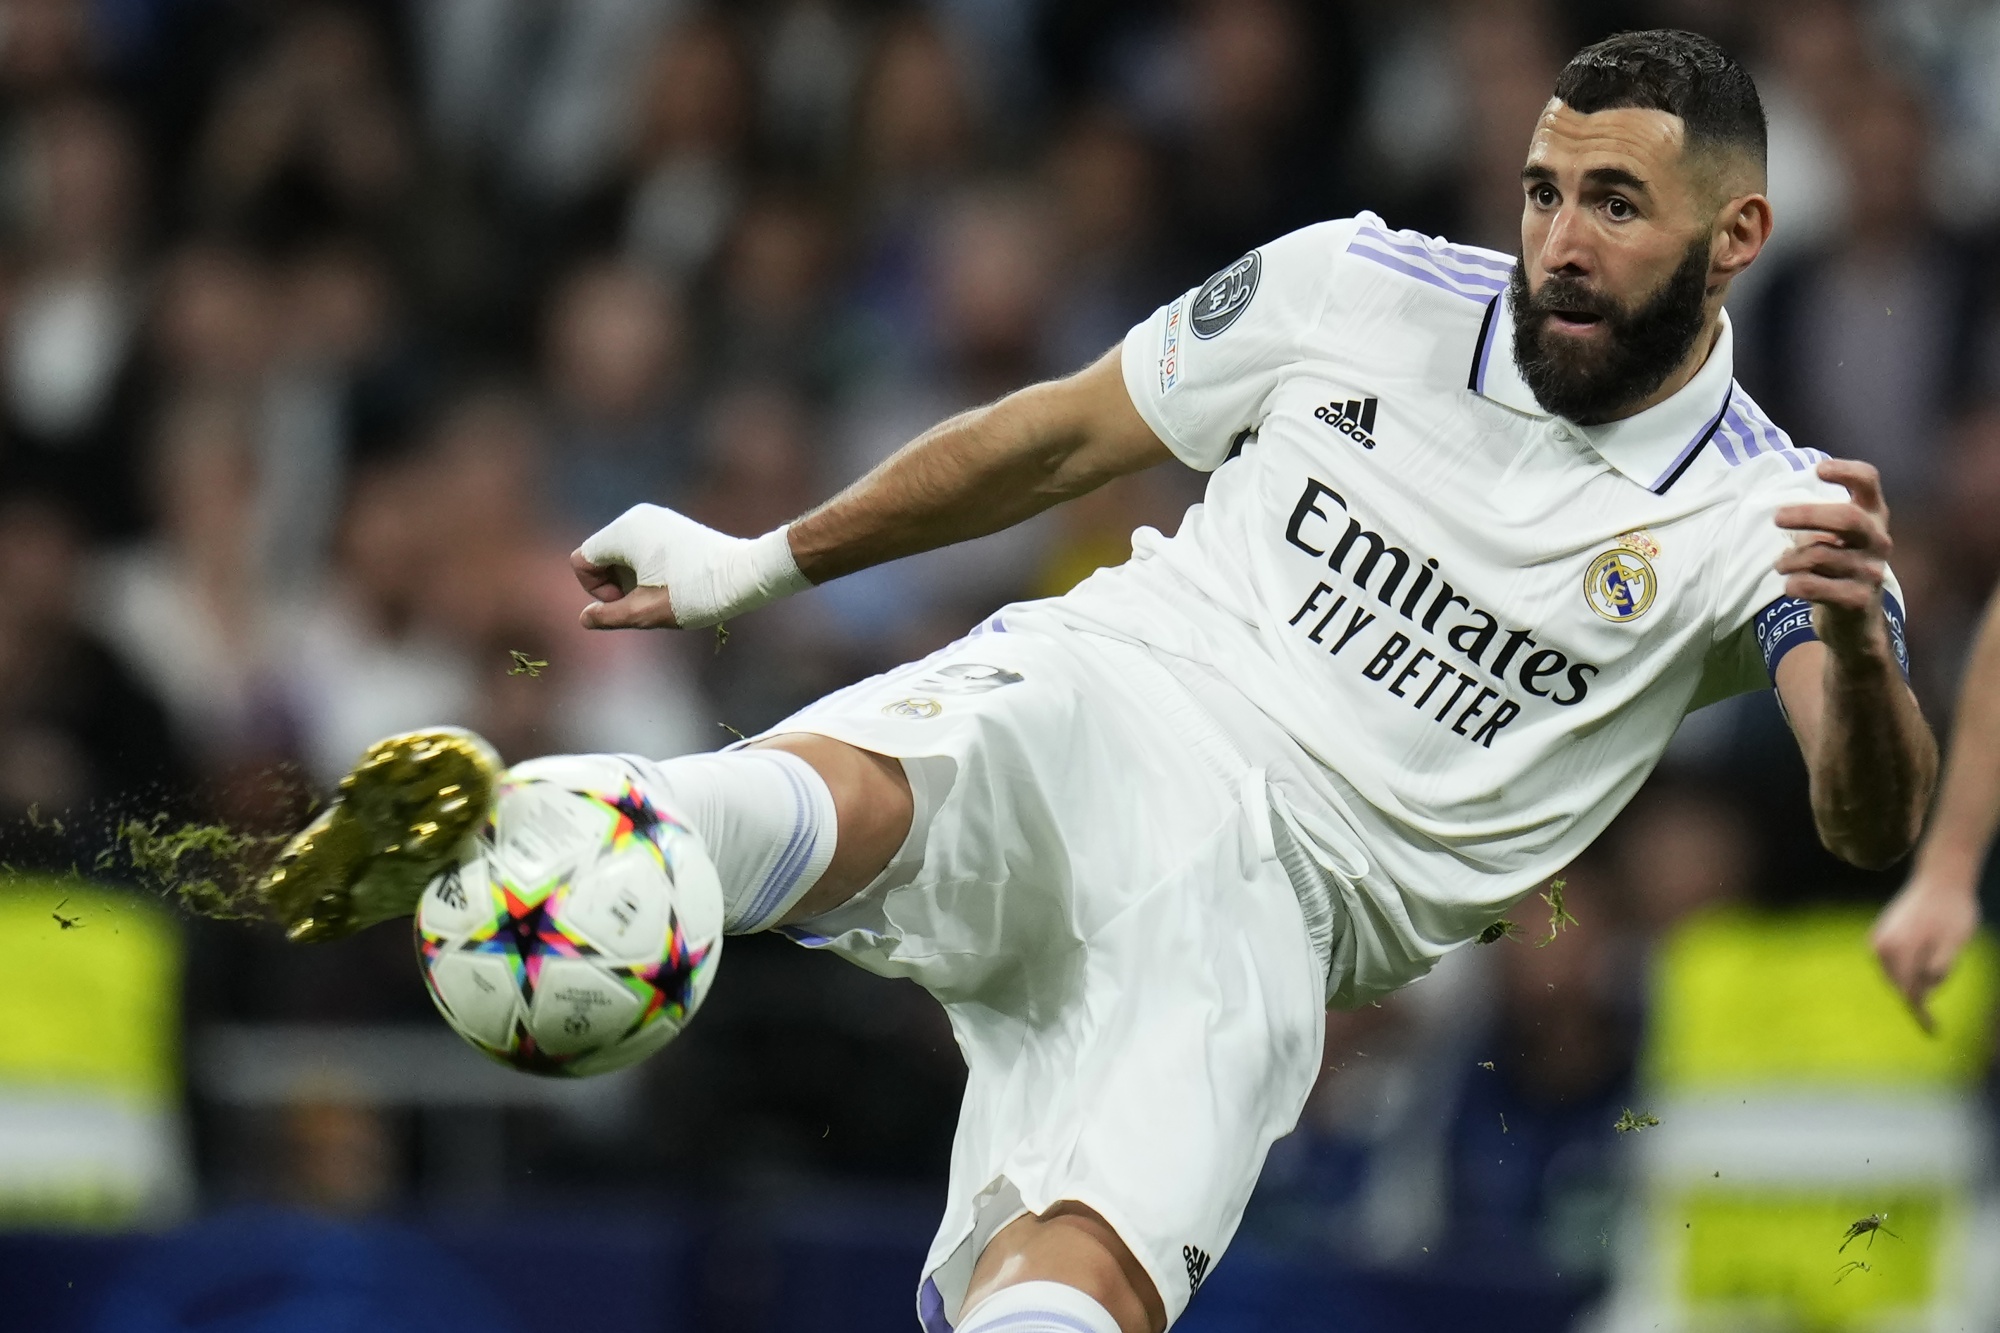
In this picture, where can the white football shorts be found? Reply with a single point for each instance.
(1091, 890)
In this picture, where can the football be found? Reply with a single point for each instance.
(563, 961)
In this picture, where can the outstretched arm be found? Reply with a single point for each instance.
(977, 473)
(1871, 757)
(1922, 930)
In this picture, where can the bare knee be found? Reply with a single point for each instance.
(1073, 1245)
(872, 808)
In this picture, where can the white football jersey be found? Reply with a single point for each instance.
(1484, 622)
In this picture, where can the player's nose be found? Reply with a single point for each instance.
(1565, 247)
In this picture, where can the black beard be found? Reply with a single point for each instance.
(1589, 386)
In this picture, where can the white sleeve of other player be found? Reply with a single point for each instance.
(1202, 366)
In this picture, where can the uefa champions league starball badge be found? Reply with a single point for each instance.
(1621, 583)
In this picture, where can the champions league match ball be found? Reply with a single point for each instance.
(579, 929)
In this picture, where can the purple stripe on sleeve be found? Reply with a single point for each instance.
(1746, 428)
(1416, 242)
(1430, 276)
(1459, 254)
(1726, 440)
(1773, 439)
(1779, 442)
(1745, 434)
(1476, 267)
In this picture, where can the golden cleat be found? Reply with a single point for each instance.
(399, 817)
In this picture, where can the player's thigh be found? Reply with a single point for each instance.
(1149, 1091)
(1022, 755)
(1071, 1243)
(1209, 1040)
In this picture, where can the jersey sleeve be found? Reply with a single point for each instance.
(1201, 367)
(1755, 623)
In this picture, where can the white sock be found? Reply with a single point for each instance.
(767, 820)
(1037, 1307)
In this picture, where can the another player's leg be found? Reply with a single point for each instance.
(795, 826)
(1067, 1262)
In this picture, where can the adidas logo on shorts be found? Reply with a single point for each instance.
(1197, 1267)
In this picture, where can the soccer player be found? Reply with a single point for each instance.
(1479, 532)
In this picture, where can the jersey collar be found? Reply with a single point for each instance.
(1652, 448)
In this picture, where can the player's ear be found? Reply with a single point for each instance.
(1741, 229)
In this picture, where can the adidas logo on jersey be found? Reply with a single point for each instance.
(1197, 1266)
(1354, 418)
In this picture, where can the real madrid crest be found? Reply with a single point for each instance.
(1621, 583)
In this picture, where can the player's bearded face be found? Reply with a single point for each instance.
(1588, 379)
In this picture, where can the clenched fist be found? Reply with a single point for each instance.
(653, 568)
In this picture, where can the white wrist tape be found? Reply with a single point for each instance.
(709, 575)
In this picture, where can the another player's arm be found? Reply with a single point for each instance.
(1870, 754)
(1924, 927)
(974, 474)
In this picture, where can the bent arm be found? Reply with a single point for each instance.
(982, 471)
(1872, 758)
(1870, 755)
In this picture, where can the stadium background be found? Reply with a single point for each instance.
(327, 329)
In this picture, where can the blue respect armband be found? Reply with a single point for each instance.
(1787, 623)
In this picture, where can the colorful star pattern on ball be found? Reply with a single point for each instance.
(638, 817)
(526, 928)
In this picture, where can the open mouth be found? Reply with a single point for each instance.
(1574, 322)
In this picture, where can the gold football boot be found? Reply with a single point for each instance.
(398, 818)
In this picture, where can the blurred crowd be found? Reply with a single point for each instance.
(328, 328)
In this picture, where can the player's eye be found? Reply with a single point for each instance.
(1620, 208)
(1543, 195)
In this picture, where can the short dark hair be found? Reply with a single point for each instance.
(1666, 69)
